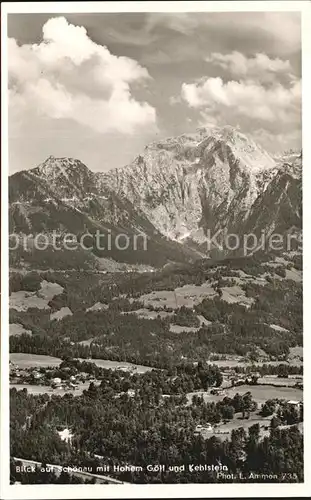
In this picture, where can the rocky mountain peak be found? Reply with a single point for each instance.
(214, 178)
(54, 167)
(208, 144)
(68, 177)
(242, 148)
(197, 180)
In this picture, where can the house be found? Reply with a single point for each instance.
(198, 429)
(65, 435)
(208, 427)
(296, 404)
(218, 392)
(252, 379)
(238, 381)
(56, 382)
(203, 428)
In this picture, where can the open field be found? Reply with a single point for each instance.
(192, 295)
(46, 389)
(25, 360)
(98, 306)
(231, 363)
(35, 389)
(183, 329)
(18, 329)
(294, 274)
(49, 290)
(22, 301)
(62, 313)
(236, 295)
(118, 365)
(260, 393)
(188, 296)
(223, 431)
(290, 381)
(295, 353)
(147, 314)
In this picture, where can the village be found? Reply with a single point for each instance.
(42, 376)
(62, 378)
(69, 379)
(246, 397)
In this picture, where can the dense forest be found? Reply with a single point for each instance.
(131, 418)
(154, 423)
(117, 333)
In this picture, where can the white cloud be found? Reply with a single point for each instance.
(271, 111)
(238, 102)
(68, 76)
(260, 68)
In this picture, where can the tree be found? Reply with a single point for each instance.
(254, 432)
(289, 414)
(275, 422)
(227, 412)
(31, 282)
(268, 408)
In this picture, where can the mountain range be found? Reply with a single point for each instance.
(177, 192)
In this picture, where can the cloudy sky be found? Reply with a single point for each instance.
(99, 87)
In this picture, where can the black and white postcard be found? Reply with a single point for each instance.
(154, 339)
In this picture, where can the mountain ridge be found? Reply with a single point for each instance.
(175, 191)
(193, 182)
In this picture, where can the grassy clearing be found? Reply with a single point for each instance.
(24, 360)
(62, 313)
(183, 329)
(17, 329)
(22, 300)
(45, 389)
(147, 314)
(117, 365)
(188, 296)
(260, 393)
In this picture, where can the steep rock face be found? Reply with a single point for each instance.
(67, 177)
(278, 208)
(67, 184)
(195, 182)
(177, 191)
(62, 195)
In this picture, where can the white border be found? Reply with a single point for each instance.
(12, 492)
(153, 6)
